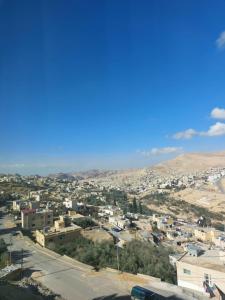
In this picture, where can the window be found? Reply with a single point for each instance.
(33, 225)
(208, 279)
(186, 271)
(49, 222)
(49, 216)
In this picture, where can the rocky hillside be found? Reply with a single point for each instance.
(192, 162)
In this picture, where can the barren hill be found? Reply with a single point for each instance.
(182, 164)
(192, 162)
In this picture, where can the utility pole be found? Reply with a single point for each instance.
(21, 274)
(117, 256)
(10, 250)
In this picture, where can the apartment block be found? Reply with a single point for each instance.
(59, 234)
(204, 272)
(70, 203)
(18, 205)
(36, 219)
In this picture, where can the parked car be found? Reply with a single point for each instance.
(140, 293)
(116, 229)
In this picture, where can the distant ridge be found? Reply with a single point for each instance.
(182, 164)
(193, 162)
(83, 174)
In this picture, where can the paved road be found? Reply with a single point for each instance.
(73, 280)
(70, 280)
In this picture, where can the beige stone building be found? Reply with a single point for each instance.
(118, 221)
(58, 235)
(17, 205)
(205, 234)
(204, 273)
(33, 219)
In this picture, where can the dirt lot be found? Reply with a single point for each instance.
(97, 235)
(209, 199)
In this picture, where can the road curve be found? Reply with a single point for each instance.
(71, 280)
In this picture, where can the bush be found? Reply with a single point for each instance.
(185, 207)
(84, 222)
(136, 257)
(3, 254)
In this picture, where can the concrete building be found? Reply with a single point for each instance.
(119, 221)
(163, 222)
(36, 219)
(18, 205)
(206, 234)
(33, 204)
(70, 203)
(203, 273)
(36, 195)
(59, 234)
(220, 241)
(110, 211)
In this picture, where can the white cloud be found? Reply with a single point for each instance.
(220, 42)
(218, 113)
(161, 151)
(187, 134)
(217, 129)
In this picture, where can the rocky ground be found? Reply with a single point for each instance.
(26, 289)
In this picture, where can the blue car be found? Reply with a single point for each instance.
(140, 293)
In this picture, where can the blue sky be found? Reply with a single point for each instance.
(109, 84)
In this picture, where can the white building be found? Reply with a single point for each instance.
(203, 273)
(70, 203)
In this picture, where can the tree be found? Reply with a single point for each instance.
(3, 254)
(140, 208)
(136, 257)
(135, 208)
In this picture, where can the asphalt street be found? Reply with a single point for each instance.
(70, 279)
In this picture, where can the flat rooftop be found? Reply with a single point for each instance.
(53, 231)
(210, 259)
(77, 216)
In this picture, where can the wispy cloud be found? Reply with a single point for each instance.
(186, 134)
(220, 42)
(218, 113)
(217, 129)
(161, 151)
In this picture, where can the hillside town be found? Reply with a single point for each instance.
(53, 211)
(149, 180)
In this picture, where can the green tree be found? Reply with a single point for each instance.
(135, 208)
(136, 257)
(140, 208)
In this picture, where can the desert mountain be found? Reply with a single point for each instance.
(192, 162)
(182, 164)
